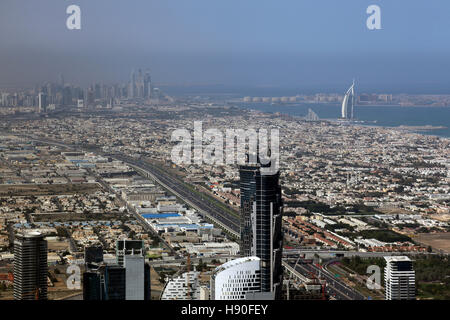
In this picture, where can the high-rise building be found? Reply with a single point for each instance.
(92, 289)
(42, 102)
(80, 104)
(261, 216)
(108, 282)
(90, 98)
(147, 85)
(131, 255)
(399, 277)
(140, 85)
(235, 279)
(30, 266)
(348, 104)
(129, 279)
(147, 282)
(135, 277)
(128, 247)
(132, 86)
(113, 281)
(93, 254)
(67, 96)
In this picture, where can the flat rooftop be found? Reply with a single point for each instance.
(396, 258)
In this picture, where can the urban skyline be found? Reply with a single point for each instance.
(224, 158)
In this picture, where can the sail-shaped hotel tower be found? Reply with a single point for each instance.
(348, 103)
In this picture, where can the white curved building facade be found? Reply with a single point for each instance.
(234, 279)
(348, 103)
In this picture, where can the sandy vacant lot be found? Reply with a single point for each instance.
(440, 241)
(47, 189)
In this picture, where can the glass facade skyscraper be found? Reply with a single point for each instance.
(261, 216)
(30, 267)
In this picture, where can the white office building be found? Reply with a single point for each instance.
(42, 100)
(235, 279)
(399, 277)
(134, 277)
(130, 254)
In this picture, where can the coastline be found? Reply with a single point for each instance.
(420, 121)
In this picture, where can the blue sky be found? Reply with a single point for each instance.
(243, 42)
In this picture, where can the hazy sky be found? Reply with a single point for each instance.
(242, 42)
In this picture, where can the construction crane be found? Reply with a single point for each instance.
(323, 284)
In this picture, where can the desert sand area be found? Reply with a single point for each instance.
(439, 241)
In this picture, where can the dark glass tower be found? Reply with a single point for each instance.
(128, 247)
(30, 267)
(147, 282)
(261, 213)
(105, 283)
(114, 283)
(92, 289)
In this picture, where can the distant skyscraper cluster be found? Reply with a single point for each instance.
(140, 85)
(311, 116)
(53, 96)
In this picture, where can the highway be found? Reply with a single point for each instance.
(333, 253)
(138, 217)
(335, 288)
(230, 223)
(215, 214)
(341, 290)
(224, 219)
